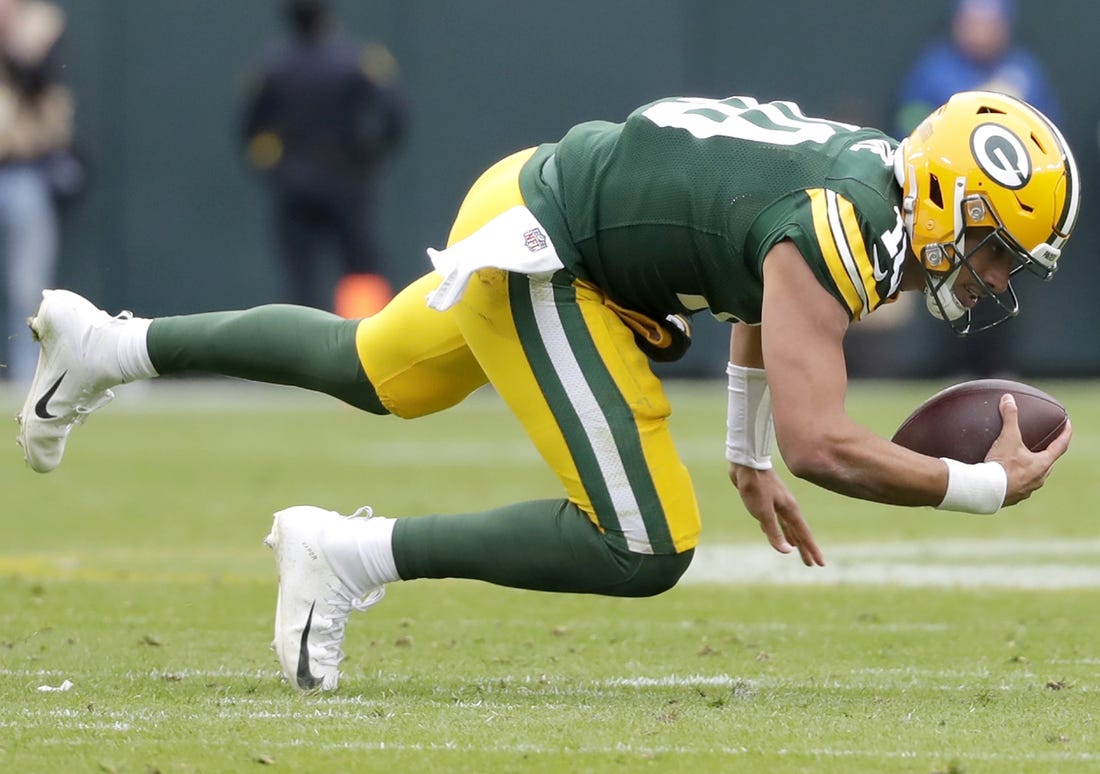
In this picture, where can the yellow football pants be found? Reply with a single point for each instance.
(565, 364)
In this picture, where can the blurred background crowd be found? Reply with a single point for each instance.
(213, 155)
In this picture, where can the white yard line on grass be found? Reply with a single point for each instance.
(995, 564)
(882, 680)
(1012, 759)
(1003, 564)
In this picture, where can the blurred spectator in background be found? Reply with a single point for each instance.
(322, 117)
(36, 128)
(978, 53)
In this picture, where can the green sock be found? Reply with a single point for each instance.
(277, 343)
(544, 545)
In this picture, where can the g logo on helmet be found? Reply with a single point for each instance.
(1001, 155)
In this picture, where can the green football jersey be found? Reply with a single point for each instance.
(674, 209)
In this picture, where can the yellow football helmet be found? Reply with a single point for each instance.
(985, 159)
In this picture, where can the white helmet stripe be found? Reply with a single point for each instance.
(1073, 198)
(1072, 207)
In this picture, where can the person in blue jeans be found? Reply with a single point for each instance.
(38, 125)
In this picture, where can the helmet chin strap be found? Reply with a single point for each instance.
(942, 302)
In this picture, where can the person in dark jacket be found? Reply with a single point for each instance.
(322, 117)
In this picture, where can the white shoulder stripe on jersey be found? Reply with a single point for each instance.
(584, 402)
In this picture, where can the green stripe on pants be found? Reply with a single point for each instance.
(558, 400)
(627, 445)
(576, 382)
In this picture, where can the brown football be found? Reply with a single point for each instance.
(963, 421)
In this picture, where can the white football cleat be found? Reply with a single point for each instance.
(311, 613)
(77, 365)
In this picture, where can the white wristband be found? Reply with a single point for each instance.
(749, 418)
(974, 488)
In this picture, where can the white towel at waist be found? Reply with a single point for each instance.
(513, 241)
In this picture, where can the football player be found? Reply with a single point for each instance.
(569, 267)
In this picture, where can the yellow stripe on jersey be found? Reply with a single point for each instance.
(857, 250)
(836, 226)
(823, 230)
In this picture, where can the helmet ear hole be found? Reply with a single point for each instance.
(935, 195)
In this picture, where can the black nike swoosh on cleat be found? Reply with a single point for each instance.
(40, 408)
(306, 680)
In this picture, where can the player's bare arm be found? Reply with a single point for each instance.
(802, 343)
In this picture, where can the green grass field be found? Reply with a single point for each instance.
(932, 642)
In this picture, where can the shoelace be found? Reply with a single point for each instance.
(82, 411)
(100, 397)
(375, 595)
(342, 603)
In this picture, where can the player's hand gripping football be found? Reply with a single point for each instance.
(1026, 470)
(771, 503)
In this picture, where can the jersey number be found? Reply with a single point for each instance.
(743, 118)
